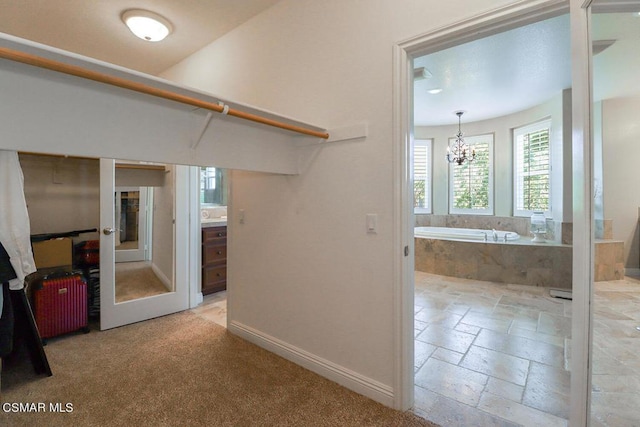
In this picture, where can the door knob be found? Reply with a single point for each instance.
(108, 230)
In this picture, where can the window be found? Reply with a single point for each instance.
(471, 183)
(532, 168)
(213, 186)
(422, 176)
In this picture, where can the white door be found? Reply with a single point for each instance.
(131, 215)
(135, 291)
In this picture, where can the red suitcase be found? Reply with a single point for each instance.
(61, 305)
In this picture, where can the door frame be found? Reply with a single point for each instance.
(483, 25)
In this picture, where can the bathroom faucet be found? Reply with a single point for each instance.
(495, 235)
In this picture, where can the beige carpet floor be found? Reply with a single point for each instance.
(136, 280)
(181, 370)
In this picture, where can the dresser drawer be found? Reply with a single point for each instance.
(213, 275)
(213, 253)
(214, 234)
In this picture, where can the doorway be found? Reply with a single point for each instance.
(491, 342)
(500, 20)
(214, 189)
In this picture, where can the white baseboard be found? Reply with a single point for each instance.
(339, 374)
(164, 279)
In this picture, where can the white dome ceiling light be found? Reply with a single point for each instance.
(147, 25)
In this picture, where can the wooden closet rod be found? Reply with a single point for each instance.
(84, 73)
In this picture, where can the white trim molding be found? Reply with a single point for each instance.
(332, 371)
(583, 216)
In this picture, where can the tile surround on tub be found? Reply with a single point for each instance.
(519, 262)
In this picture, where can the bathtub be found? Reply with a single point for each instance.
(464, 234)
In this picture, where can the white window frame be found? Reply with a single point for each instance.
(471, 141)
(522, 130)
(428, 187)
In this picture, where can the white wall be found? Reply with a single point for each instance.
(621, 175)
(303, 272)
(502, 129)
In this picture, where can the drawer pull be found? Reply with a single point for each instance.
(219, 252)
(218, 274)
(220, 234)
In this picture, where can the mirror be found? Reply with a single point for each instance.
(144, 216)
(213, 186)
(615, 376)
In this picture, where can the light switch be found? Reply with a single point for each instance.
(372, 223)
(241, 216)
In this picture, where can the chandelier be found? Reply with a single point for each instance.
(459, 152)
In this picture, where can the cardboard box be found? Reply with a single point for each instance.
(53, 253)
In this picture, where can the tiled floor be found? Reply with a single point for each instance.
(214, 308)
(490, 354)
(615, 399)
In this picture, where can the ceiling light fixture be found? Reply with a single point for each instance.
(434, 91)
(458, 153)
(146, 25)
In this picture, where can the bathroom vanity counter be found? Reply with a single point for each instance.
(213, 222)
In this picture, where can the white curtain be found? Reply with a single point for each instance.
(14, 219)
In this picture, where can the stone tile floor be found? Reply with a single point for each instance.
(213, 308)
(615, 400)
(490, 354)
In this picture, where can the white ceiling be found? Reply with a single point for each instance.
(487, 78)
(518, 69)
(95, 29)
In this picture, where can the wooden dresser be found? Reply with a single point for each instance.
(214, 259)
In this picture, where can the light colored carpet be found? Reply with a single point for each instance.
(183, 370)
(136, 280)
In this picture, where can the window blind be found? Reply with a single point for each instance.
(422, 175)
(532, 168)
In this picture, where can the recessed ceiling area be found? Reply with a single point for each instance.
(95, 28)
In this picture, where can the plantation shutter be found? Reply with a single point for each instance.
(471, 182)
(421, 175)
(532, 168)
